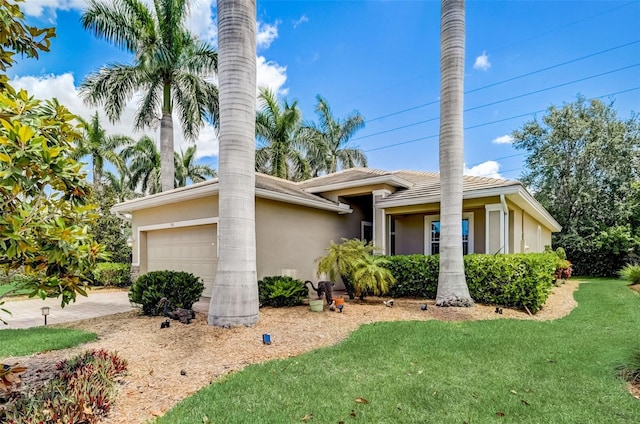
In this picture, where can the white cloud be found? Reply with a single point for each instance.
(265, 34)
(63, 88)
(482, 62)
(503, 139)
(303, 19)
(271, 75)
(37, 7)
(486, 169)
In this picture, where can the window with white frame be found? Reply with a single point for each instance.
(432, 234)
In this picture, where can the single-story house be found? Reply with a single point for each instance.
(295, 221)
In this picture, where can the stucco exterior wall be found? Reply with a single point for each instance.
(289, 238)
(410, 237)
(523, 235)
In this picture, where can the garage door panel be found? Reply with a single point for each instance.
(188, 249)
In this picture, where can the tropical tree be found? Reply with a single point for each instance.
(581, 156)
(188, 170)
(333, 152)
(99, 146)
(452, 285)
(119, 182)
(143, 159)
(234, 300)
(170, 67)
(341, 259)
(281, 139)
(371, 276)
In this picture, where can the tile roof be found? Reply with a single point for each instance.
(279, 185)
(347, 175)
(427, 186)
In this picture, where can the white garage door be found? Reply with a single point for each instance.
(189, 249)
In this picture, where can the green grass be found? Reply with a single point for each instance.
(12, 287)
(561, 371)
(20, 342)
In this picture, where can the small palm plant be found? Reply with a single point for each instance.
(631, 273)
(341, 259)
(370, 276)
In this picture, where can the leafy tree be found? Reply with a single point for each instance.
(333, 133)
(452, 285)
(99, 146)
(170, 67)
(188, 170)
(17, 37)
(43, 191)
(583, 164)
(281, 139)
(109, 230)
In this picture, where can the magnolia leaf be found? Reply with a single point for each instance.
(361, 400)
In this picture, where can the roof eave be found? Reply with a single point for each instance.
(382, 179)
(192, 192)
(471, 194)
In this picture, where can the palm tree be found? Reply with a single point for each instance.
(234, 300)
(119, 182)
(370, 276)
(143, 159)
(188, 170)
(334, 135)
(170, 66)
(100, 147)
(340, 260)
(452, 286)
(281, 139)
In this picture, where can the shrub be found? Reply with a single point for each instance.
(370, 276)
(181, 289)
(112, 274)
(341, 258)
(631, 273)
(416, 275)
(281, 291)
(516, 280)
(81, 392)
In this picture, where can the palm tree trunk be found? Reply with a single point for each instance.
(97, 176)
(234, 300)
(452, 286)
(167, 166)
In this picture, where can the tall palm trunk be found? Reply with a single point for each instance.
(234, 300)
(167, 167)
(97, 175)
(452, 286)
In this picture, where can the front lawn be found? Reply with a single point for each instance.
(504, 370)
(19, 342)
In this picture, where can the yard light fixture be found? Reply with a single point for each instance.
(266, 339)
(45, 312)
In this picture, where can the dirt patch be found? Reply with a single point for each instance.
(635, 287)
(167, 365)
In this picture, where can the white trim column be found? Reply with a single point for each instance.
(503, 228)
(379, 220)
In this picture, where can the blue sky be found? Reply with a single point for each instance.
(382, 59)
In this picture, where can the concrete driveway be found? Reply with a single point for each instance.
(27, 313)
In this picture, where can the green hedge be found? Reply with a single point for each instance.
(514, 280)
(112, 274)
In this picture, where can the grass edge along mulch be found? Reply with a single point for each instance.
(483, 371)
(22, 342)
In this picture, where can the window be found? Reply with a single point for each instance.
(366, 231)
(432, 236)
